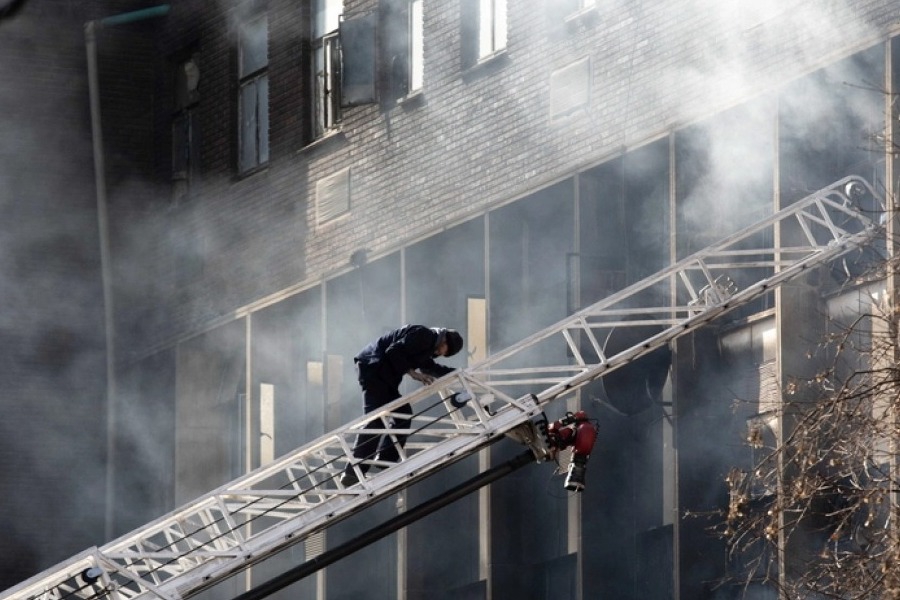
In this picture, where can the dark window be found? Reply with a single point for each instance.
(402, 48)
(358, 60)
(254, 94)
(185, 138)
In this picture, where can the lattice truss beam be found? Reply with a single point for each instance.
(284, 502)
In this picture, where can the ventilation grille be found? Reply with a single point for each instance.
(315, 545)
(333, 196)
(570, 88)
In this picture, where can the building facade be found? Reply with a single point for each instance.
(288, 180)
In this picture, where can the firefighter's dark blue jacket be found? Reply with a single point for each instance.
(389, 357)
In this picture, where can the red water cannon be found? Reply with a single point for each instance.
(577, 431)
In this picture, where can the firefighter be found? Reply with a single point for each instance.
(381, 365)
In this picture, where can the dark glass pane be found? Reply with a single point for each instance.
(262, 111)
(248, 127)
(253, 50)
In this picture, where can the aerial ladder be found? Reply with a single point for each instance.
(299, 494)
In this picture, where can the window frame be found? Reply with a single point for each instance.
(326, 83)
(325, 67)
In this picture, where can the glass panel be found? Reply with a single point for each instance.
(327, 15)
(248, 126)
(485, 29)
(491, 26)
(416, 46)
(499, 25)
(253, 46)
(262, 110)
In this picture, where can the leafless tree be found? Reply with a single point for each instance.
(816, 516)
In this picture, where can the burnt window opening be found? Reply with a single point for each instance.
(402, 49)
(185, 128)
(381, 55)
(253, 98)
(358, 65)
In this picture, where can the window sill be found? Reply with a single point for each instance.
(332, 136)
(251, 172)
(487, 65)
(584, 16)
(490, 57)
(411, 100)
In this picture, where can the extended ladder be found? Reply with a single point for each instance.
(284, 502)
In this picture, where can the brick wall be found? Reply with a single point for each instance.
(474, 139)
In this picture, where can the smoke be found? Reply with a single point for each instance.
(49, 264)
(51, 322)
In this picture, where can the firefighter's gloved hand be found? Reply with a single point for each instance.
(420, 377)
